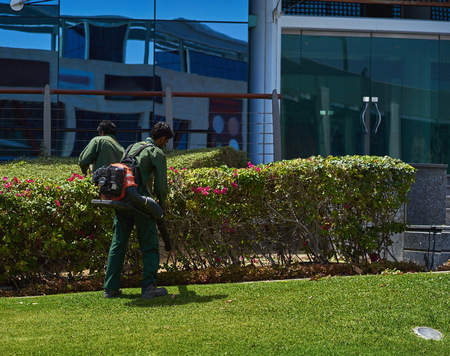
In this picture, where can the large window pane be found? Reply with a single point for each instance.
(104, 54)
(205, 57)
(201, 10)
(137, 9)
(27, 60)
(293, 129)
(405, 81)
(334, 80)
(442, 138)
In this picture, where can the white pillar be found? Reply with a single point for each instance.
(263, 79)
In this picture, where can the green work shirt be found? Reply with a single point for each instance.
(100, 151)
(153, 167)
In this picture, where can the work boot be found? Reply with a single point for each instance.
(151, 291)
(111, 293)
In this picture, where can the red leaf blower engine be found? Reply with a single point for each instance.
(119, 191)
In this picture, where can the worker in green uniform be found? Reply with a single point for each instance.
(153, 168)
(101, 150)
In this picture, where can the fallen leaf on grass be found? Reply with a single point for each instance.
(166, 327)
(173, 296)
(310, 297)
(228, 301)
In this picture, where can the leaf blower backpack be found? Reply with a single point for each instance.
(118, 184)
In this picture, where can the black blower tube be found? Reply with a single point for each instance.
(150, 206)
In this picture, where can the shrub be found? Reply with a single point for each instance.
(208, 157)
(326, 208)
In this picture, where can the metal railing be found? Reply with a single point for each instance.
(168, 95)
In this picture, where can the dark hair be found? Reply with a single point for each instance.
(161, 129)
(107, 127)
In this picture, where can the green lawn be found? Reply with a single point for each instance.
(362, 315)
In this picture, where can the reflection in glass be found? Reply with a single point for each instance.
(404, 78)
(27, 60)
(323, 84)
(47, 9)
(442, 140)
(137, 9)
(202, 10)
(194, 57)
(366, 95)
(128, 42)
(198, 49)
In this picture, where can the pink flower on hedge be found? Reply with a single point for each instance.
(347, 207)
(218, 259)
(58, 203)
(16, 180)
(258, 169)
(47, 188)
(5, 179)
(17, 194)
(234, 185)
(175, 171)
(250, 165)
(171, 168)
(216, 191)
(71, 179)
(1, 192)
(91, 236)
(205, 192)
(30, 181)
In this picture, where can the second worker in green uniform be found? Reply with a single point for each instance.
(101, 150)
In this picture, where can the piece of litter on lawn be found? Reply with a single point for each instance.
(427, 333)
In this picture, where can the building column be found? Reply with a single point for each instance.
(263, 62)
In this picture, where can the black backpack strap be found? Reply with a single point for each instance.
(128, 149)
(141, 149)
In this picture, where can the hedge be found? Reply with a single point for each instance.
(335, 208)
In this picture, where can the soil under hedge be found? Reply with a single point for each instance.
(220, 275)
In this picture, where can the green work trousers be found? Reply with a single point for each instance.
(148, 244)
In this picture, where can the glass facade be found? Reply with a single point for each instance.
(148, 45)
(366, 93)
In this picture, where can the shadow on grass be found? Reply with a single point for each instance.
(183, 297)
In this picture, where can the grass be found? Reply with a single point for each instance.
(360, 315)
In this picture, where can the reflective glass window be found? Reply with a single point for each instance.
(202, 10)
(42, 9)
(442, 139)
(404, 74)
(209, 49)
(204, 57)
(365, 94)
(28, 59)
(137, 9)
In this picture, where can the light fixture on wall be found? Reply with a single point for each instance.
(17, 5)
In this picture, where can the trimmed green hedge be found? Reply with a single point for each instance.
(324, 208)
